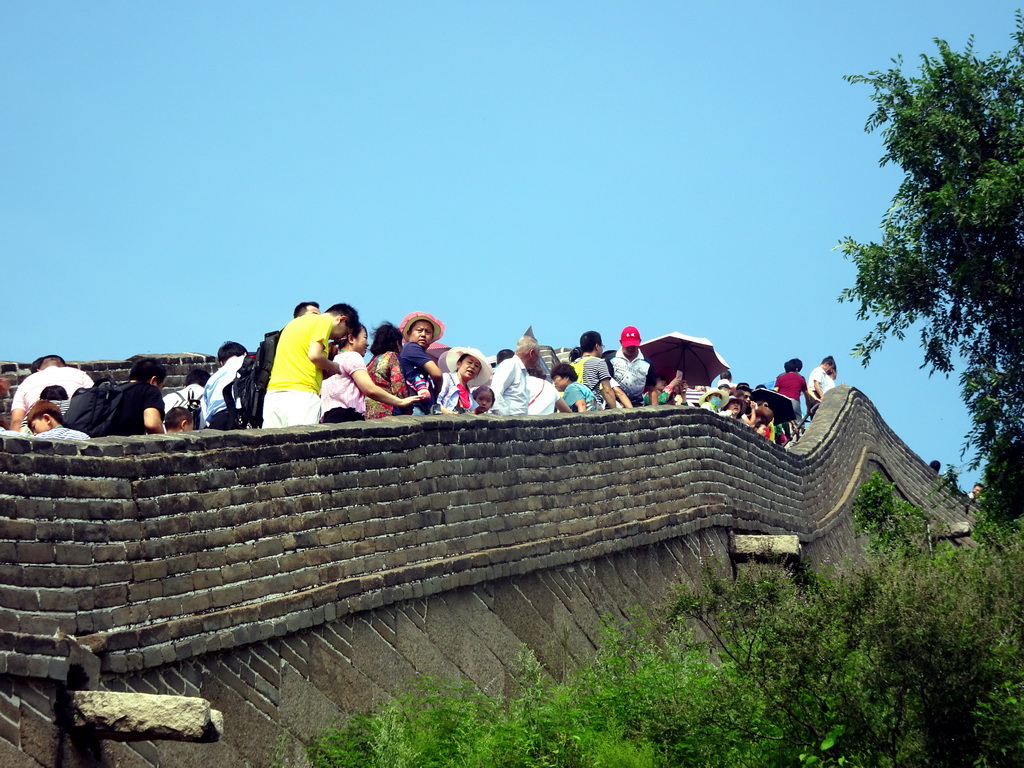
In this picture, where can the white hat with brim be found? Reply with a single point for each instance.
(451, 360)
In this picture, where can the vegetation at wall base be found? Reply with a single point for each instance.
(913, 658)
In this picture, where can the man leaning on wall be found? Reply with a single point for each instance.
(300, 363)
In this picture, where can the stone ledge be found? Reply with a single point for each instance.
(762, 548)
(145, 716)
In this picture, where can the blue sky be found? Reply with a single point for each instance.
(173, 175)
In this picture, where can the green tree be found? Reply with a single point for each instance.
(951, 258)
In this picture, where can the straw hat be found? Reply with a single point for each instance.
(711, 393)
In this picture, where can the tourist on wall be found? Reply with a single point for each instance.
(179, 419)
(422, 374)
(511, 392)
(52, 370)
(45, 420)
(792, 385)
(385, 369)
(343, 396)
(576, 397)
(467, 368)
(544, 398)
(484, 397)
(634, 375)
(300, 362)
(592, 370)
(213, 411)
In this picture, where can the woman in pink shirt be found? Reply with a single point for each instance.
(343, 396)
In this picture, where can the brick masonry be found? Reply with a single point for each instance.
(293, 576)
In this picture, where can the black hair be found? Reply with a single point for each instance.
(936, 465)
(47, 361)
(230, 349)
(177, 415)
(564, 370)
(794, 365)
(147, 368)
(387, 337)
(347, 311)
(197, 376)
(33, 367)
(829, 361)
(589, 341)
(53, 392)
(300, 308)
(504, 355)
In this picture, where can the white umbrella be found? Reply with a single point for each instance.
(693, 355)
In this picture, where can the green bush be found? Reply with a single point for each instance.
(913, 658)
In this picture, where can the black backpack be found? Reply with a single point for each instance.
(250, 385)
(95, 410)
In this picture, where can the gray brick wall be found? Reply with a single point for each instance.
(291, 576)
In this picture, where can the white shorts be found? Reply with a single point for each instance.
(284, 408)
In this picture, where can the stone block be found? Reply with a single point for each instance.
(144, 717)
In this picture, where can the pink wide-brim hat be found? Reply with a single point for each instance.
(412, 317)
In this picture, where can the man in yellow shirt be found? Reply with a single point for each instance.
(293, 395)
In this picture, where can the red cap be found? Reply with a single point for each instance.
(630, 337)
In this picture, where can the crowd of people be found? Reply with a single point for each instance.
(319, 374)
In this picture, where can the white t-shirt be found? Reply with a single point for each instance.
(543, 396)
(824, 380)
(182, 397)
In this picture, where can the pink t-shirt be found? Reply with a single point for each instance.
(340, 391)
(70, 378)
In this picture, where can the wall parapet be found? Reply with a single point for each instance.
(157, 549)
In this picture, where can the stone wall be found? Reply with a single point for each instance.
(291, 576)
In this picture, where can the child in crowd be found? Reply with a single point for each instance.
(659, 386)
(578, 397)
(484, 397)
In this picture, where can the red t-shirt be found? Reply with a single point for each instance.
(791, 385)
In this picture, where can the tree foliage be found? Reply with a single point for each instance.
(951, 258)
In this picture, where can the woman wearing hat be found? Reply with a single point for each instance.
(468, 369)
(713, 399)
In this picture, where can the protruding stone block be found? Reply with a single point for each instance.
(750, 547)
(955, 530)
(145, 716)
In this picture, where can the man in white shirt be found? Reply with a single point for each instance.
(636, 376)
(821, 380)
(511, 394)
(212, 408)
(52, 371)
